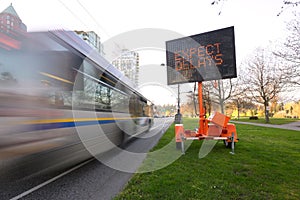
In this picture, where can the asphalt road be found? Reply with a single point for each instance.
(92, 179)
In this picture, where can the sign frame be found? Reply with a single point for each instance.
(201, 57)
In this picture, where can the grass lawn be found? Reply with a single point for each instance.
(262, 120)
(266, 165)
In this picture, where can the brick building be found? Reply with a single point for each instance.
(12, 29)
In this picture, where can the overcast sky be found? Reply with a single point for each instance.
(256, 22)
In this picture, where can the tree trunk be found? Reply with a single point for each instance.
(267, 113)
(238, 109)
(222, 106)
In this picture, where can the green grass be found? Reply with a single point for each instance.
(266, 165)
(262, 120)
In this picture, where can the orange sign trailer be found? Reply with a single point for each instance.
(216, 127)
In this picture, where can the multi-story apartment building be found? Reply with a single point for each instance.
(92, 39)
(128, 63)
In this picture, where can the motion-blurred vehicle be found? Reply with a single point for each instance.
(61, 102)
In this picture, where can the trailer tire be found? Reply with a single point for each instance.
(227, 144)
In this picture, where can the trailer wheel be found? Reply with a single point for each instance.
(227, 144)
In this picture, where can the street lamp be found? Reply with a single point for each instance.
(194, 102)
(178, 116)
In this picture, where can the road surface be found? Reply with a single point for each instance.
(88, 180)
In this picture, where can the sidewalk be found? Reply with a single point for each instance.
(291, 126)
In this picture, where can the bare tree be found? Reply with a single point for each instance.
(219, 92)
(291, 49)
(239, 98)
(266, 78)
(286, 4)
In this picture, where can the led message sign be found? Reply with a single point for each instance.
(202, 57)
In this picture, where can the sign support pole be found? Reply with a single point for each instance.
(203, 125)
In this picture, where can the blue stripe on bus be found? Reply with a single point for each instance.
(68, 124)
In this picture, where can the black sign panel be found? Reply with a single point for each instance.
(202, 57)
